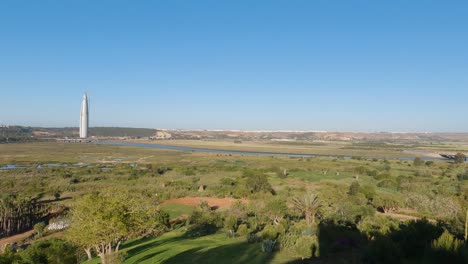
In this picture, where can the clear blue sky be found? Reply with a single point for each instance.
(289, 65)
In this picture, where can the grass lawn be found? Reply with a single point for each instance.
(174, 247)
(175, 210)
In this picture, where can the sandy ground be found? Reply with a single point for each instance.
(15, 238)
(222, 203)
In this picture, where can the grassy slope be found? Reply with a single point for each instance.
(174, 248)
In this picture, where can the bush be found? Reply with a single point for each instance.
(463, 176)
(390, 184)
(40, 229)
(361, 170)
(268, 245)
(49, 251)
(230, 224)
(271, 232)
(258, 183)
(204, 222)
(368, 191)
(354, 188)
(252, 238)
(447, 242)
(418, 162)
(242, 230)
(387, 202)
(306, 247)
(448, 249)
(382, 176)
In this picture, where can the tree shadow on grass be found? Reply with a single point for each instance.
(149, 256)
(232, 253)
(410, 243)
(145, 244)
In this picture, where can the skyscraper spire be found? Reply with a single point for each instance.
(84, 117)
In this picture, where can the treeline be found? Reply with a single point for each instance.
(18, 214)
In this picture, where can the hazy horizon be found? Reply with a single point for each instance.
(246, 130)
(356, 66)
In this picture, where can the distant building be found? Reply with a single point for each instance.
(84, 117)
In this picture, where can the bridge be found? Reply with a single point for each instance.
(451, 157)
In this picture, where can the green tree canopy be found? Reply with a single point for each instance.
(102, 221)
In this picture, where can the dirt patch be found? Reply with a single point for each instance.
(16, 238)
(213, 202)
(403, 217)
(21, 237)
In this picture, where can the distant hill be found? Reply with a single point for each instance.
(121, 132)
(14, 132)
(19, 133)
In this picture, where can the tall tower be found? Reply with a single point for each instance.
(84, 117)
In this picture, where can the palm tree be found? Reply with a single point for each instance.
(308, 206)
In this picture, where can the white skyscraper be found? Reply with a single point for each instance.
(84, 117)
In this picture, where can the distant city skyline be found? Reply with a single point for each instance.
(396, 66)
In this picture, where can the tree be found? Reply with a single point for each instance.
(258, 183)
(387, 202)
(18, 213)
(460, 157)
(308, 206)
(275, 210)
(102, 221)
(354, 188)
(39, 228)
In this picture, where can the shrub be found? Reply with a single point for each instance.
(368, 191)
(204, 222)
(418, 162)
(460, 158)
(306, 247)
(387, 202)
(40, 229)
(382, 176)
(230, 224)
(268, 245)
(258, 183)
(448, 249)
(272, 232)
(390, 184)
(463, 176)
(242, 230)
(361, 170)
(447, 242)
(354, 188)
(252, 238)
(49, 251)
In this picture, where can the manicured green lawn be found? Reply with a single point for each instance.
(174, 248)
(175, 210)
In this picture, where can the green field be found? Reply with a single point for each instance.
(173, 248)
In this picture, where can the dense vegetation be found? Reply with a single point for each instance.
(18, 214)
(288, 209)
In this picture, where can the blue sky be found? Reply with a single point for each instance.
(255, 65)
